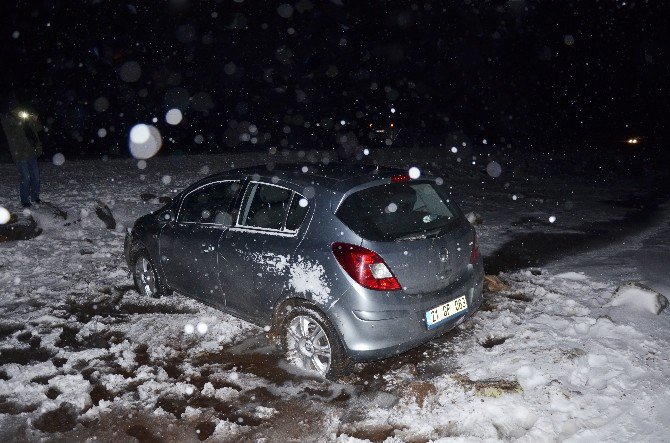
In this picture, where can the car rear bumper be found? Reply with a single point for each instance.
(372, 334)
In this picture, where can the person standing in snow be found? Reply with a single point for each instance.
(20, 130)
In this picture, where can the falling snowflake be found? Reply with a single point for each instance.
(140, 133)
(58, 159)
(4, 216)
(173, 116)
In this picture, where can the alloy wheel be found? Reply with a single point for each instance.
(308, 346)
(146, 279)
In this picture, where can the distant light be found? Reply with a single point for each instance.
(370, 124)
(392, 110)
(23, 115)
(552, 219)
(633, 141)
(366, 151)
(342, 122)
(454, 149)
(391, 124)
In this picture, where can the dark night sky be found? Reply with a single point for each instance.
(541, 73)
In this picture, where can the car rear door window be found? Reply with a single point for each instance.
(210, 204)
(266, 206)
(272, 207)
(297, 212)
(397, 211)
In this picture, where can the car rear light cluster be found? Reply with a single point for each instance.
(400, 178)
(366, 267)
(474, 255)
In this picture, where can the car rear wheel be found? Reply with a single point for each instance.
(311, 343)
(147, 281)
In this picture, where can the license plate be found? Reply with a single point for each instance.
(446, 311)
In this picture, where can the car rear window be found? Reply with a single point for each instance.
(398, 211)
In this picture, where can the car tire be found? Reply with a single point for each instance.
(298, 343)
(145, 276)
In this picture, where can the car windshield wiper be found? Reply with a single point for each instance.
(419, 235)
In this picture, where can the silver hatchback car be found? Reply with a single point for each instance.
(345, 263)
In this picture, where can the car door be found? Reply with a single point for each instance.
(255, 255)
(188, 243)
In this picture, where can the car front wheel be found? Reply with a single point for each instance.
(311, 343)
(147, 281)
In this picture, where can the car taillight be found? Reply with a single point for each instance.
(474, 255)
(400, 178)
(366, 267)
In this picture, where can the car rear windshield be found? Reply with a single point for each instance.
(398, 211)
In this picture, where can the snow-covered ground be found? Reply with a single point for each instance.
(549, 358)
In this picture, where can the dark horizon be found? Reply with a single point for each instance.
(528, 74)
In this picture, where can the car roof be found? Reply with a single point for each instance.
(336, 176)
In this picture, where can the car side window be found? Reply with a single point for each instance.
(297, 212)
(210, 204)
(266, 206)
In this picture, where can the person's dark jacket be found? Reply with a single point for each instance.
(17, 133)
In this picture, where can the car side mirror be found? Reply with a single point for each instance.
(166, 216)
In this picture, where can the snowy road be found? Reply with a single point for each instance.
(82, 354)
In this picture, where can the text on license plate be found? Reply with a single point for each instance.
(443, 312)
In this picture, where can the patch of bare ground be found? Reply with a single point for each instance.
(489, 387)
(377, 433)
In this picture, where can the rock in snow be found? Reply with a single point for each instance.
(19, 228)
(640, 297)
(105, 214)
(492, 283)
